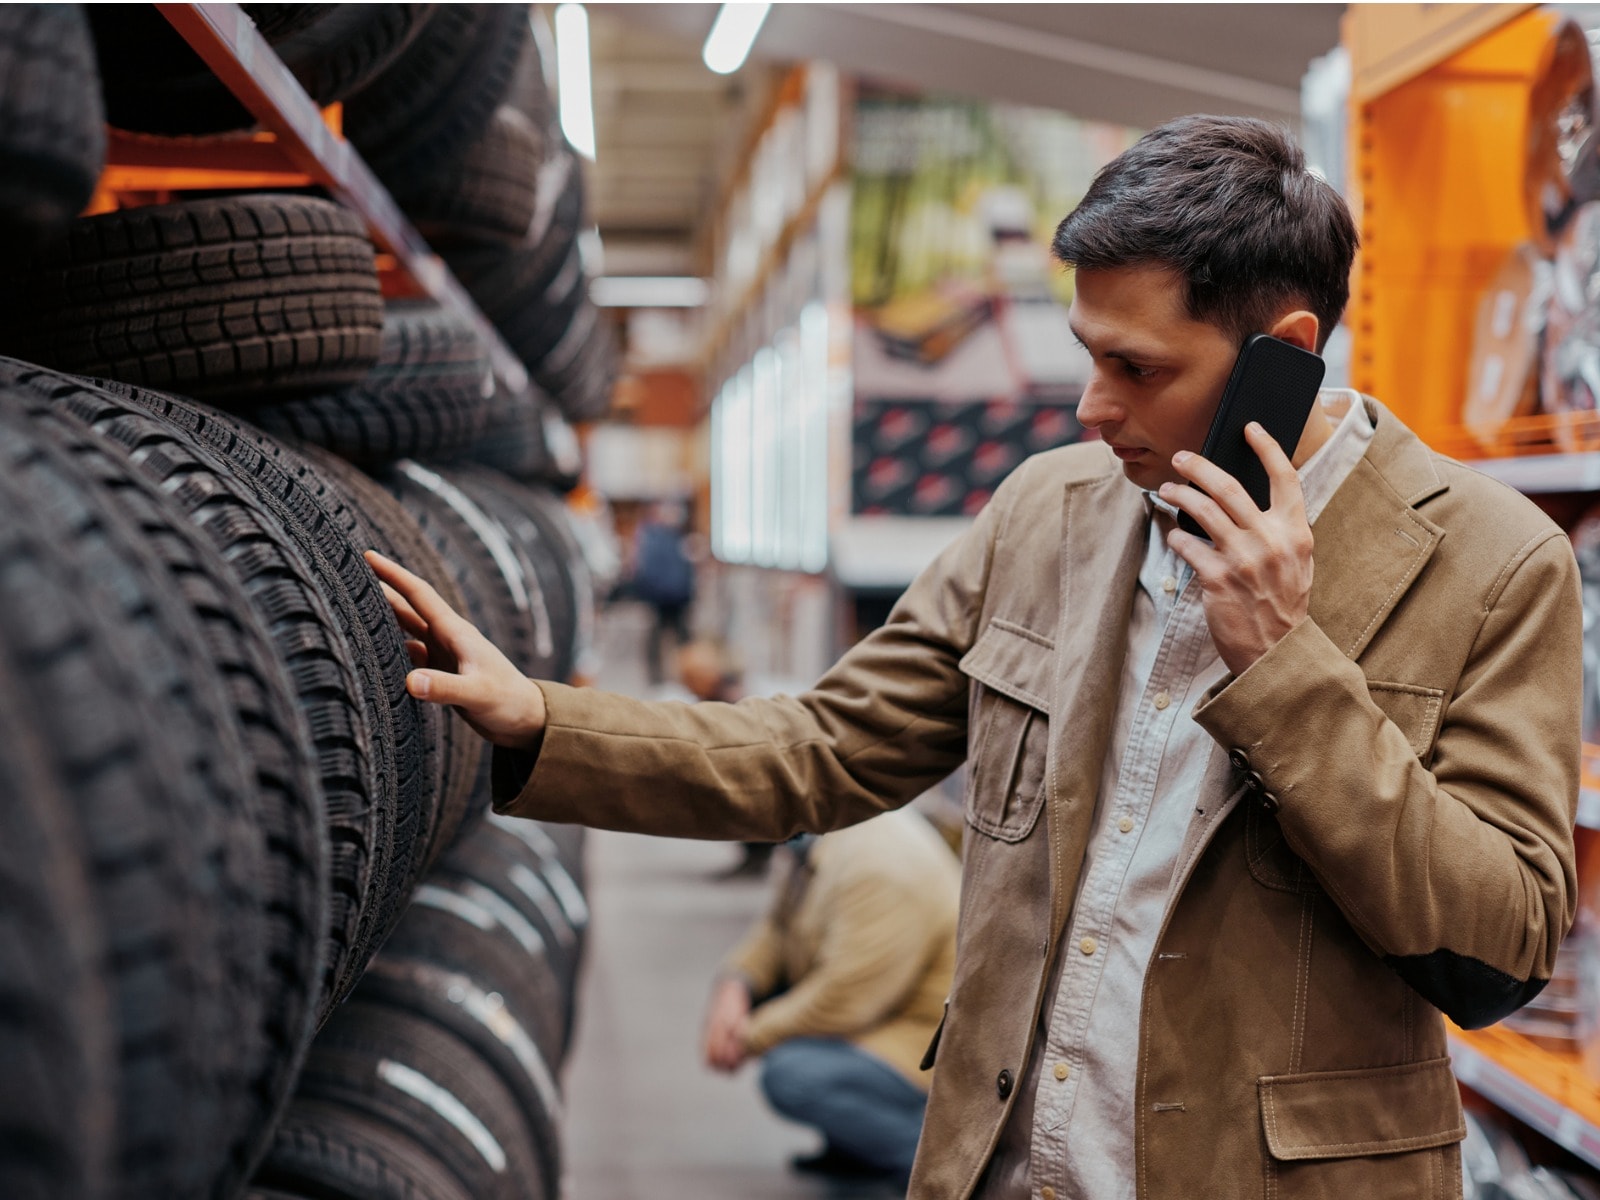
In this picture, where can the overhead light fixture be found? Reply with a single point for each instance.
(649, 291)
(732, 34)
(573, 84)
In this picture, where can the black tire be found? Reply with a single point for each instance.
(491, 195)
(429, 1086)
(530, 879)
(419, 116)
(326, 1152)
(289, 807)
(427, 396)
(217, 298)
(52, 126)
(114, 665)
(555, 847)
(155, 83)
(580, 370)
(513, 438)
(421, 754)
(56, 1034)
(500, 585)
(517, 510)
(516, 288)
(485, 988)
(330, 621)
(569, 841)
(399, 536)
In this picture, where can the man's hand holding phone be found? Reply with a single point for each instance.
(1255, 573)
(457, 665)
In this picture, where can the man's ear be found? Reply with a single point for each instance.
(1298, 328)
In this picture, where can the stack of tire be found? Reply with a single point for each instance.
(223, 799)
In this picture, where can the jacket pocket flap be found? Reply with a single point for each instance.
(1013, 661)
(1349, 1114)
(1416, 710)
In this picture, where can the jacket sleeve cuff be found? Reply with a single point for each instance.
(1254, 714)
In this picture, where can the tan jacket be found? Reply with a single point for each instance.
(1402, 780)
(862, 938)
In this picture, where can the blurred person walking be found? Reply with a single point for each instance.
(663, 577)
(839, 988)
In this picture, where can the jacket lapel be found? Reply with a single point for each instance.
(1371, 543)
(1102, 545)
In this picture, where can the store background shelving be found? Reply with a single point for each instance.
(1548, 1091)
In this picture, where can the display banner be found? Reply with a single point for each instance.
(963, 361)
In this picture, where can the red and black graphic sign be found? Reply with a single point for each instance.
(925, 458)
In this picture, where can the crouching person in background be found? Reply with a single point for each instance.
(840, 988)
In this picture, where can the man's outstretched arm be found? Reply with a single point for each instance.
(887, 722)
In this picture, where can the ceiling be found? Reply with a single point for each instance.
(668, 130)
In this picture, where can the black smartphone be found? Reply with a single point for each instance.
(1273, 383)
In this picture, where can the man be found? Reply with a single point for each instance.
(1243, 814)
(839, 988)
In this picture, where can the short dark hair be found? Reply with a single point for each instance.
(1227, 204)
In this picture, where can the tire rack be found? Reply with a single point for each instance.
(298, 145)
(1392, 47)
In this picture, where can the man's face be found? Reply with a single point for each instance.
(1158, 373)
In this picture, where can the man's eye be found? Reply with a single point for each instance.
(1139, 372)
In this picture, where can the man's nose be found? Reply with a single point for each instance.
(1094, 406)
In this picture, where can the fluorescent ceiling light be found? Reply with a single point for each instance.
(576, 94)
(649, 291)
(732, 34)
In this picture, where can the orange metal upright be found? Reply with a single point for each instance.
(1440, 192)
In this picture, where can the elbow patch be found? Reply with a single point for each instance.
(1467, 990)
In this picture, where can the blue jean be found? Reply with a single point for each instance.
(861, 1105)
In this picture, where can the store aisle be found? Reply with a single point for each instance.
(644, 1117)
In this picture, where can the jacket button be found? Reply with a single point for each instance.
(1239, 759)
(1269, 803)
(1254, 782)
(1003, 1084)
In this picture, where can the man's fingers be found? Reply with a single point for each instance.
(1205, 559)
(417, 652)
(1227, 491)
(1208, 514)
(442, 620)
(442, 687)
(1286, 492)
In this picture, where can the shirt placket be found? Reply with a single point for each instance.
(1183, 638)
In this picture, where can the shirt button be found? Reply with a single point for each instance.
(1002, 1084)
(1162, 700)
(1239, 759)
(1047, 1193)
(1126, 824)
(1087, 945)
(1169, 585)
(1062, 1071)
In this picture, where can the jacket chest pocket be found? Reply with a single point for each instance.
(1009, 738)
(1415, 711)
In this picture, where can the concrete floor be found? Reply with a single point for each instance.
(645, 1117)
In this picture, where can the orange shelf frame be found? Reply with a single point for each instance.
(1542, 1088)
(1438, 186)
(298, 145)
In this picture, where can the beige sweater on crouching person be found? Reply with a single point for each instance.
(859, 943)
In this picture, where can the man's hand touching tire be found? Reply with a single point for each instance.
(454, 664)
